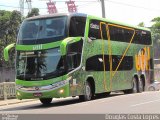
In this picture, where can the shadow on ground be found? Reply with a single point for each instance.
(61, 102)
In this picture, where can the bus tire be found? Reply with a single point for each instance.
(134, 87)
(129, 91)
(108, 93)
(140, 86)
(45, 101)
(88, 95)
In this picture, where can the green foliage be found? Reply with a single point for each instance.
(157, 19)
(141, 24)
(4, 22)
(156, 36)
(34, 12)
(9, 24)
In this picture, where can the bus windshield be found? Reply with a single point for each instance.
(42, 30)
(39, 65)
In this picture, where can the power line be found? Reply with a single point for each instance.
(9, 6)
(75, 1)
(76, 5)
(45, 8)
(79, 6)
(125, 4)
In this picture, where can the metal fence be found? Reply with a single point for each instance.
(157, 69)
(157, 74)
(7, 90)
(1, 91)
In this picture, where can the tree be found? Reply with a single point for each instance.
(34, 12)
(156, 36)
(4, 23)
(141, 24)
(15, 22)
(9, 22)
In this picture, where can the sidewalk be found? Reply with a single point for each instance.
(14, 101)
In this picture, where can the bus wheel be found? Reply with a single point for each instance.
(45, 101)
(135, 86)
(88, 95)
(108, 93)
(140, 86)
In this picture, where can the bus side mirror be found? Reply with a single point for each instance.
(6, 51)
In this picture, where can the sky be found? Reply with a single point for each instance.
(127, 11)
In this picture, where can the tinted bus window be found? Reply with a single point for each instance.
(118, 34)
(142, 37)
(95, 63)
(74, 51)
(94, 30)
(40, 31)
(104, 32)
(77, 26)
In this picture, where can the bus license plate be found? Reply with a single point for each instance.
(37, 94)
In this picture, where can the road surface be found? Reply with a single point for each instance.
(146, 102)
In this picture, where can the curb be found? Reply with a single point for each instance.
(17, 102)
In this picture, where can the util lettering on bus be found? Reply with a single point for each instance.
(142, 59)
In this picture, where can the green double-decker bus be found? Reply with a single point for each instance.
(64, 55)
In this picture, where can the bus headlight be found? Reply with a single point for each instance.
(18, 94)
(61, 91)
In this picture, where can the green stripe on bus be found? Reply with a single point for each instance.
(38, 46)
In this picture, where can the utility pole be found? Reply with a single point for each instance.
(21, 3)
(103, 8)
(29, 2)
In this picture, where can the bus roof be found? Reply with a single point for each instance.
(89, 16)
(118, 23)
(56, 15)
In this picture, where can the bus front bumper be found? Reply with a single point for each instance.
(56, 91)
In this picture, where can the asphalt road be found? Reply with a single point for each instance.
(146, 102)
